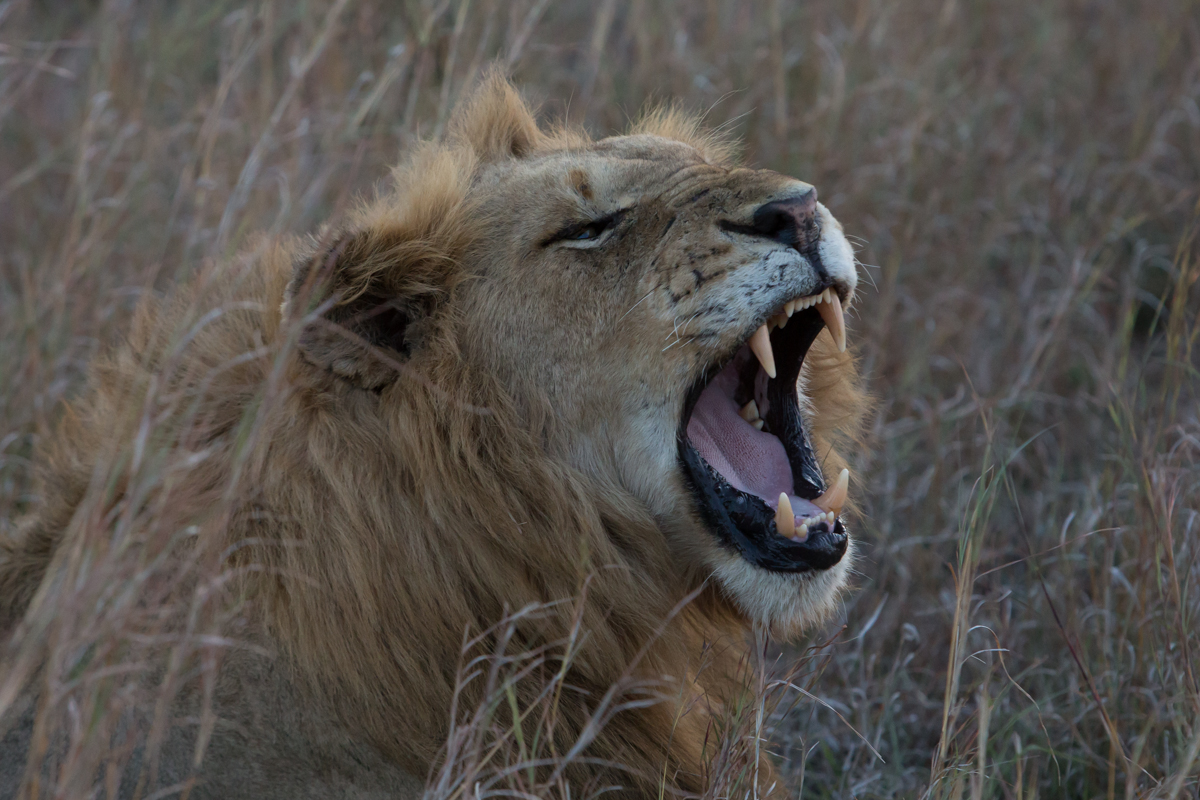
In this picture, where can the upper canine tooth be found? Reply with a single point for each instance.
(831, 311)
(785, 520)
(835, 498)
(749, 412)
(760, 344)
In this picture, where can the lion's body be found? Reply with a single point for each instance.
(363, 523)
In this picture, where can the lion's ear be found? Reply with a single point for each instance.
(363, 313)
(495, 122)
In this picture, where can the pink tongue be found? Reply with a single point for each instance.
(750, 460)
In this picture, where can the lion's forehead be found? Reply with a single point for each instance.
(616, 170)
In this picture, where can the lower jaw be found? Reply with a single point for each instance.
(738, 526)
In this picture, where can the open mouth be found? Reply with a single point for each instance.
(745, 452)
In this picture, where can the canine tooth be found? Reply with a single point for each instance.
(831, 312)
(785, 521)
(835, 498)
(758, 424)
(760, 343)
(749, 412)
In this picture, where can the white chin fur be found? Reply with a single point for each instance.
(785, 604)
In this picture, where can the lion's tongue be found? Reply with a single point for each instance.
(750, 460)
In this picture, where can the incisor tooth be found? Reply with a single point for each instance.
(831, 312)
(785, 520)
(749, 412)
(801, 533)
(835, 498)
(760, 344)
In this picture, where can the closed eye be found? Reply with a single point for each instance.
(585, 233)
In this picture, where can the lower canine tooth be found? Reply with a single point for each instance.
(760, 344)
(785, 520)
(835, 498)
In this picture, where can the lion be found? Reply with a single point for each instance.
(537, 367)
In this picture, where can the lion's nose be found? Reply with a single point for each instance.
(791, 221)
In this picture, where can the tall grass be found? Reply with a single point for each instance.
(1024, 182)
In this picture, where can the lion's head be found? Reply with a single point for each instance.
(668, 323)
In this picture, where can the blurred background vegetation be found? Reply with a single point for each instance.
(1022, 179)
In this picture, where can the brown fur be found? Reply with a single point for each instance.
(399, 490)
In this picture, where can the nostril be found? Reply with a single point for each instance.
(773, 222)
(790, 220)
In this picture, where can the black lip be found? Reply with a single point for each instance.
(742, 522)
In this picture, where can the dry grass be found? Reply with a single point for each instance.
(1025, 176)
